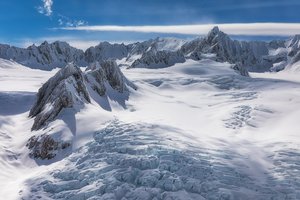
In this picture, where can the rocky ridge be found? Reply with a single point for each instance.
(69, 88)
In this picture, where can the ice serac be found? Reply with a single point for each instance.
(46, 56)
(65, 89)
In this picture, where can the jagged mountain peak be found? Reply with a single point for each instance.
(216, 34)
(69, 88)
(215, 45)
(214, 31)
(65, 89)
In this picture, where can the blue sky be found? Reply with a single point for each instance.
(85, 22)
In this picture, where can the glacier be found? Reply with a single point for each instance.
(206, 118)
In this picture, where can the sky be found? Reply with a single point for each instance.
(84, 23)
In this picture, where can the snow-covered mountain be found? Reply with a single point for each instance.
(70, 88)
(65, 89)
(199, 126)
(220, 46)
(158, 59)
(106, 51)
(164, 52)
(46, 56)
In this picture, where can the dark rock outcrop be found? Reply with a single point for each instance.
(107, 71)
(65, 89)
(46, 56)
(158, 59)
(68, 88)
(249, 54)
(45, 147)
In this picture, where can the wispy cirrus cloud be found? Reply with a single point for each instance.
(46, 8)
(250, 29)
(67, 22)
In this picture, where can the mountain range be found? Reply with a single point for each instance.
(257, 56)
(161, 119)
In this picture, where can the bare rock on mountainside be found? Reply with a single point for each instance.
(107, 71)
(45, 147)
(158, 59)
(249, 54)
(65, 89)
(239, 68)
(256, 56)
(45, 56)
(69, 88)
(106, 51)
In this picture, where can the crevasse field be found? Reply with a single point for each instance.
(195, 130)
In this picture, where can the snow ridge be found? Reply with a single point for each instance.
(69, 88)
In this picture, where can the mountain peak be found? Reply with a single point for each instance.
(214, 31)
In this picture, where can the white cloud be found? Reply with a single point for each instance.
(46, 9)
(251, 29)
(67, 22)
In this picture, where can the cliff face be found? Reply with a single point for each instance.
(224, 49)
(69, 89)
(65, 89)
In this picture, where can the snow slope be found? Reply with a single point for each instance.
(196, 130)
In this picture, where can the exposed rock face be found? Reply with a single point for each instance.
(45, 147)
(294, 45)
(106, 51)
(68, 88)
(158, 59)
(46, 56)
(163, 52)
(65, 89)
(109, 72)
(248, 54)
(241, 69)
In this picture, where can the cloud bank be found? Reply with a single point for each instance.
(46, 9)
(247, 29)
